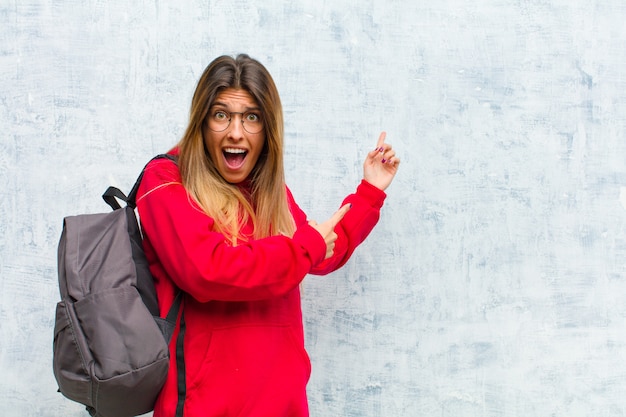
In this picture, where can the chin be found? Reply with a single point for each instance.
(234, 179)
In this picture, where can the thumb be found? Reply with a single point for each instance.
(338, 215)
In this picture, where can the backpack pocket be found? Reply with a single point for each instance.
(110, 353)
(71, 356)
(120, 332)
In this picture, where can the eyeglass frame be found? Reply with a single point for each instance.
(230, 119)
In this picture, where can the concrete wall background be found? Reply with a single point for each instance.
(495, 283)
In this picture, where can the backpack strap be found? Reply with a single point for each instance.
(181, 373)
(111, 197)
(113, 194)
(172, 315)
(168, 324)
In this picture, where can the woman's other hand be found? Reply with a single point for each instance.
(381, 164)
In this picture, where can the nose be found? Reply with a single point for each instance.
(236, 126)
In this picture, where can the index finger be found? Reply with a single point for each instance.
(338, 215)
(381, 140)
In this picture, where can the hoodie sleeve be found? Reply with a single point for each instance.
(180, 241)
(352, 230)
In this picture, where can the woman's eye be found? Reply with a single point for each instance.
(252, 117)
(220, 115)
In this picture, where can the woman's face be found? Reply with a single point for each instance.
(234, 150)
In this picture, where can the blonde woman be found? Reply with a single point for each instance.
(222, 227)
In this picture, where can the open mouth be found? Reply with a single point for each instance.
(234, 157)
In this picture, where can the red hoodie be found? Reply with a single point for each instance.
(238, 349)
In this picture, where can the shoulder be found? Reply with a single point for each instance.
(159, 173)
(298, 214)
(162, 169)
(290, 198)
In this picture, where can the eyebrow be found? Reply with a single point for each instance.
(224, 105)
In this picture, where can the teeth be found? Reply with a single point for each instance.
(234, 150)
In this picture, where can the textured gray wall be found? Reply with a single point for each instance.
(495, 283)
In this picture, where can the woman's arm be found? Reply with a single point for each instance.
(201, 262)
(379, 170)
(353, 228)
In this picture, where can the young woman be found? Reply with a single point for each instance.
(222, 227)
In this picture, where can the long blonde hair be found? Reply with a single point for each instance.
(224, 202)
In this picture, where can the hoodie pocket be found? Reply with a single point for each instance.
(244, 360)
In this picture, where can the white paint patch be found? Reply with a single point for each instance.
(622, 197)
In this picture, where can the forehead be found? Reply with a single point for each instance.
(235, 99)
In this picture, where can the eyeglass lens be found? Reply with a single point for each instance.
(220, 120)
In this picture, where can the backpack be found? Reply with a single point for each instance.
(110, 349)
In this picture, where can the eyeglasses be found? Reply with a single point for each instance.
(219, 120)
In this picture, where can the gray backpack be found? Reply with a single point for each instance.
(110, 348)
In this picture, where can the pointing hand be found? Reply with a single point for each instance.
(327, 229)
(381, 164)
